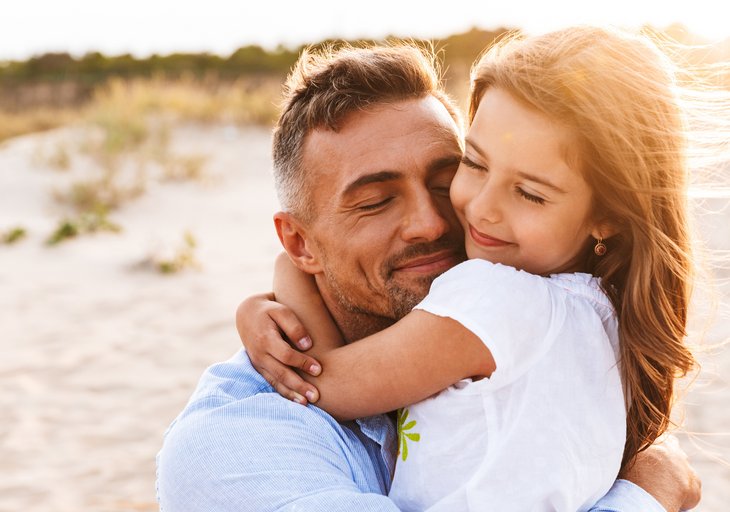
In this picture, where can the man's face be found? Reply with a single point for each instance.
(383, 225)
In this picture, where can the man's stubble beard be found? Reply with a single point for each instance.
(357, 320)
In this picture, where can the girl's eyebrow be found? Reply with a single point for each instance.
(521, 174)
(476, 148)
(541, 181)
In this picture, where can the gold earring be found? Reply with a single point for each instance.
(600, 248)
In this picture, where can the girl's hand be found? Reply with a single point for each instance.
(264, 326)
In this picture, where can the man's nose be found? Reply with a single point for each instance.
(424, 222)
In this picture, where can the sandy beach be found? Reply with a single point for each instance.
(100, 351)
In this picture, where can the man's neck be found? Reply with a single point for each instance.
(352, 324)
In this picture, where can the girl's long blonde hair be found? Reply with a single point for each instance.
(617, 93)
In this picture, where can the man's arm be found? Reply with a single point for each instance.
(660, 480)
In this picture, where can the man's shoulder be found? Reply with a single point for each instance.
(237, 436)
(230, 380)
(233, 396)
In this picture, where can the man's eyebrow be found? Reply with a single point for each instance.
(521, 174)
(443, 162)
(376, 177)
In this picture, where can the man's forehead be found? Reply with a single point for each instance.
(389, 137)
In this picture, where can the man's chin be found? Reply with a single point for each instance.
(416, 282)
(406, 294)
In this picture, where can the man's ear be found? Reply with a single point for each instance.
(293, 235)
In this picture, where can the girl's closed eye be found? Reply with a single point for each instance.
(470, 163)
(530, 197)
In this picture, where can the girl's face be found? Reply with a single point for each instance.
(519, 201)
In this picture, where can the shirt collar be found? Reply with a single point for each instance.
(381, 429)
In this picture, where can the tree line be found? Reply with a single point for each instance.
(95, 67)
(81, 75)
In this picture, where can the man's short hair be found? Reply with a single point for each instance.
(326, 85)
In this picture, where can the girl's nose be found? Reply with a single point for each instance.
(485, 205)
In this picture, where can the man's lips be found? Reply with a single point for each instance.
(486, 240)
(439, 261)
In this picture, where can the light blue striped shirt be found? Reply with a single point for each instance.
(239, 446)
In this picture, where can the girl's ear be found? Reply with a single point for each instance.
(603, 230)
(294, 237)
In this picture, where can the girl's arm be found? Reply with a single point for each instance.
(264, 327)
(418, 356)
(413, 359)
(263, 323)
(298, 291)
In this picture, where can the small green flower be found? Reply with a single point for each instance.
(403, 436)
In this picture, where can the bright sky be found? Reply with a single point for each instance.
(143, 27)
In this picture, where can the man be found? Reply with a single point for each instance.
(364, 153)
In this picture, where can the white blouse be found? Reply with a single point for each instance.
(546, 431)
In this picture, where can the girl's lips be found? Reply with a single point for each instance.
(486, 240)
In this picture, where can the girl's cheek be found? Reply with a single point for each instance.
(458, 194)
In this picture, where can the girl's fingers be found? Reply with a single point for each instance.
(288, 384)
(280, 388)
(260, 323)
(290, 357)
(280, 367)
(264, 344)
(290, 325)
(252, 318)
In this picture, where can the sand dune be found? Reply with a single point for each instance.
(100, 351)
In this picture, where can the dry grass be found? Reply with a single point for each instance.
(173, 260)
(184, 257)
(245, 101)
(99, 195)
(183, 168)
(80, 225)
(251, 100)
(60, 158)
(13, 124)
(129, 129)
(12, 235)
(128, 126)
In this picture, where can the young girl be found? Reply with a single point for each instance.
(572, 195)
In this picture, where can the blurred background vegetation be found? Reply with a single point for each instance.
(57, 88)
